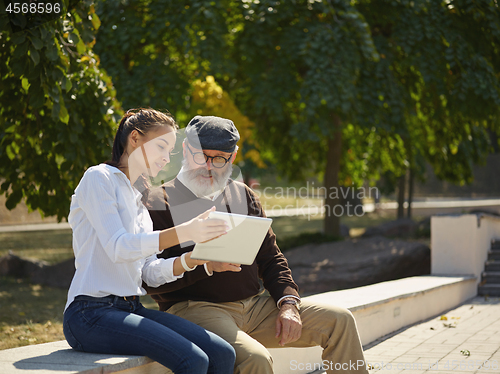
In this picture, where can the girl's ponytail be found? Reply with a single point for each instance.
(120, 140)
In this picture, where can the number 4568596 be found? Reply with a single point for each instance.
(39, 8)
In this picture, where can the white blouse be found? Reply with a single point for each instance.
(113, 240)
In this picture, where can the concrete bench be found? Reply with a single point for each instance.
(379, 309)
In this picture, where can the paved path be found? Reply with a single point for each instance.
(465, 340)
(427, 207)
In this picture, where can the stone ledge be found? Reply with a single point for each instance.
(379, 309)
(382, 308)
(59, 357)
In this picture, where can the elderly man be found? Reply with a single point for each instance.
(226, 298)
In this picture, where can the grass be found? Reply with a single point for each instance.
(50, 246)
(29, 314)
(32, 314)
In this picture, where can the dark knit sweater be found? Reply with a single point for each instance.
(172, 204)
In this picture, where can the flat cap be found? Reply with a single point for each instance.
(212, 132)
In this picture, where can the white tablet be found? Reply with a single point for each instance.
(241, 243)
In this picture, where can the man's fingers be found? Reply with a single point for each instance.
(285, 333)
(278, 327)
(295, 335)
(234, 267)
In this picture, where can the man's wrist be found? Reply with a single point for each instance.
(288, 297)
(291, 302)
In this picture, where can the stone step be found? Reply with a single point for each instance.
(494, 254)
(495, 244)
(492, 266)
(489, 290)
(491, 277)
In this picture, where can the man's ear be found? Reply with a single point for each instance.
(231, 160)
(184, 149)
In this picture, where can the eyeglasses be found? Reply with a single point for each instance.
(201, 158)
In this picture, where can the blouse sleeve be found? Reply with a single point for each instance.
(96, 196)
(158, 271)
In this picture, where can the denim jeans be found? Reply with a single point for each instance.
(115, 325)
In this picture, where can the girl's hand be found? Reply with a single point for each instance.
(201, 229)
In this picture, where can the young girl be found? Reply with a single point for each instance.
(114, 242)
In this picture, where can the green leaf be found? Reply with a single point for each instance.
(18, 37)
(73, 137)
(80, 47)
(5, 186)
(10, 152)
(51, 52)
(56, 109)
(67, 84)
(25, 84)
(63, 113)
(18, 20)
(14, 199)
(36, 101)
(11, 129)
(44, 33)
(37, 43)
(73, 38)
(19, 67)
(35, 56)
(21, 50)
(96, 22)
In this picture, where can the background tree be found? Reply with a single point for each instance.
(155, 50)
(344, 89)
(421, 75)
(446, 56)
(57, 108)
(307, 71)
(208, 98)
(160, 54)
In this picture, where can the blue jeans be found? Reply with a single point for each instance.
(115, 325)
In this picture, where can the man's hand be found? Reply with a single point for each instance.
(219, 267)
(288, 324)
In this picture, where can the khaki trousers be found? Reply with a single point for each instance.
(250, 326)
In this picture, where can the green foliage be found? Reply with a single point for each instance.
(155, 50)
(412, 81)
(57, 109)
(445, 57)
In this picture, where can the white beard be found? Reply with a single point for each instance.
(202, 187)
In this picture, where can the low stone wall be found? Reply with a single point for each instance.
(379, 309)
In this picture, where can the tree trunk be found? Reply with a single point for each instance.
(410, 193)
(401, 196)
(333, 207)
